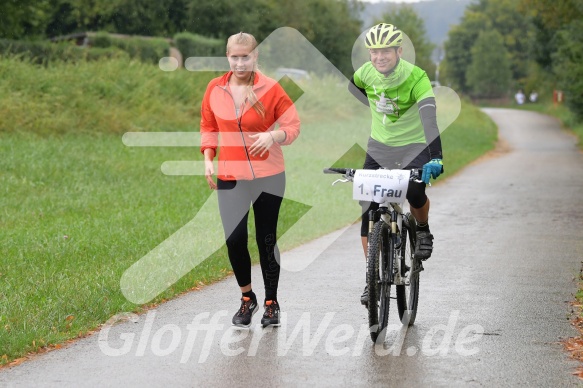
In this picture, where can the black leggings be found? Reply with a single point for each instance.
(235, 200)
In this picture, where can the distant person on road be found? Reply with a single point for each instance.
(533, 97)
(245, 106)
(391, 87)
(520, 97)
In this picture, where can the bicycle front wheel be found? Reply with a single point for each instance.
(408, 294)
(378, 281)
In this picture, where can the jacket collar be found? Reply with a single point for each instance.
(257, 83)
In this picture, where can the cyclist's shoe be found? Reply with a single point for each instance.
(423, 245)
(243, 317)
(271, 314)
(364, 297)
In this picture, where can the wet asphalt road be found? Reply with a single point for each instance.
(493, 301)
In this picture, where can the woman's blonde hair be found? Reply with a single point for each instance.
(246, 39)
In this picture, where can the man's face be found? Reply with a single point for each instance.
(385, 59)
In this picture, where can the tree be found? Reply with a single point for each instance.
(406, 19)
(150, 18)
(489, 73)
(22, 18)
(515, 29)
(554, 14)
(330, 25)
(502, 16)
(568, 65)
(136, 17)
(559, 45)
(458, 48)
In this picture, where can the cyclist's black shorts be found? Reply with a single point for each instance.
(381, 156)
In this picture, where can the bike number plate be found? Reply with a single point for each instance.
(381, 185)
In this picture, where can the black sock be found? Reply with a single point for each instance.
(423, 226)
(250, 294)
(271, 297)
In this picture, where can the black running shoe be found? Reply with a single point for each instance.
(364, 296)
(271, 314)
(243, 317)
(423, 245)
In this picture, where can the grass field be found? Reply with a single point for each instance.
(78, 207)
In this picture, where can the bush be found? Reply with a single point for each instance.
(38, 51)
(101, 39)
(44, 52)
(192, 45)
(146, 50)
(103, 45)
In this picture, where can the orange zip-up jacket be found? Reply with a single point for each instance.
(218, 116)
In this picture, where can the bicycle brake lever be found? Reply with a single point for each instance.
(420, 181)
(339, 180)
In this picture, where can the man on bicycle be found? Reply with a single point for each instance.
(404, 132)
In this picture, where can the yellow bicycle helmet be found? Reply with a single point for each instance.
(383, 35)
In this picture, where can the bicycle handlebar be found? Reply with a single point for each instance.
(345, 171)
(349, 172)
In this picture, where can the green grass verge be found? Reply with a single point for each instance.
(471, 135)
(78, 207)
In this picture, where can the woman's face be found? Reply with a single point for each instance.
(242, 60)
(385, 59)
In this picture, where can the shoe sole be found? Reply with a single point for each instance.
(271, 324)
(422, 257)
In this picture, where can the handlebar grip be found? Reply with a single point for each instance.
(334, 170)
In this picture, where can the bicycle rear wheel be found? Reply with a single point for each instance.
(378, 281)
(408, 294)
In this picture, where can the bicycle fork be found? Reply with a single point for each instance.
(396, 227)
(394, 219)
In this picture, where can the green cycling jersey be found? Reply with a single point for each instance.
(391, 98)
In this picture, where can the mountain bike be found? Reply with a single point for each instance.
(391, 244)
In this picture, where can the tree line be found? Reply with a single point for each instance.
(526, 44)
(330, 25)
(499, 45)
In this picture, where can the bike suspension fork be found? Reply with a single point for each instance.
(396, 246)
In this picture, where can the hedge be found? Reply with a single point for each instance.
(148, 50)
(43, 52)
(193, 45)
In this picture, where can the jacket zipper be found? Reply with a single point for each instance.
(239, 117)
